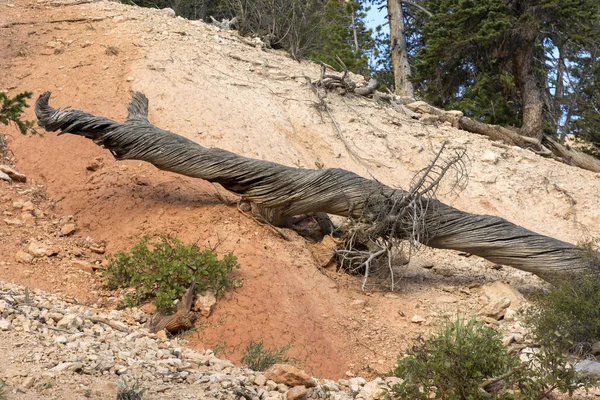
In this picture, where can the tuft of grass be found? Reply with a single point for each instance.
(3, 386)
(466, 360)
(112, 51)
(127, 392)
(258, 358)
(165, 271)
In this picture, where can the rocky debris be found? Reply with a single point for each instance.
(13, 222)
(496, 309)
(374, 390)
(358, 303)
(68, 229)
(41, 250)
(490, 157)
(588, 368)
(324, 251)
(23, 257)
(4, 325)
(13, 174)
(5, 177)
(95, 165)
(70, 341)
(417, 319)
(204, 303)
(296, 393)
(289, 375)
(497, 297)
(168, 12)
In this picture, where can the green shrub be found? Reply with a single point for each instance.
(568, 314)
(258, 358)
(166, 271)
(126, 392)
(463, 359)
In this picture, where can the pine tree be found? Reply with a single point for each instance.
(490, 58)
(344, 34)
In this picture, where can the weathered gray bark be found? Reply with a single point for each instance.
(278, 192)
(403, 86)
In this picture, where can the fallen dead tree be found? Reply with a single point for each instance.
(276, 192)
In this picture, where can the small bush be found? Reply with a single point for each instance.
(462, 360)
(127, 392)
(166, 271)
(258, 358)
(568, 314)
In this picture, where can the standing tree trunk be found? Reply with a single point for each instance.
(523, 46)
(558, 91)
(403, 86)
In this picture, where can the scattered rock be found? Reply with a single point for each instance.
(358, 303)
(41, 250)
(417, 319)
(296, 393)
(510, 314)
(496, 309)
(13, 174)
(289, 375)
(490, 157)
(70, 322)
(589, 368)
(260, 380)
(454, 113)
(28, 206)
(83, 265)
(28, 382)
(28, 218)
(162, 334)
(14, 222)
(169, 12)
(5, 325)
(204, 303)
(68, 229)
(429, 119)
(418, 106)
(23, 257)
(373, 390)
(93, 166)
(324, 251)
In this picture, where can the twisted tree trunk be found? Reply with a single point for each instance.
(277, 192)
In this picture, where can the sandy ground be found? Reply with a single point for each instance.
(223, 91)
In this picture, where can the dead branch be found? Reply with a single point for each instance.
(105, 321)
(58, 21)
(183, 318)
(484, 387)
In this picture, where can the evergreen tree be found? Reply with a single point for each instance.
(489, 58)
(344, 34)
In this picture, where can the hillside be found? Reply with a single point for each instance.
(224, 91)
